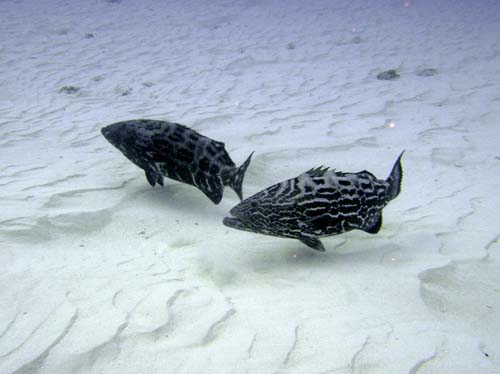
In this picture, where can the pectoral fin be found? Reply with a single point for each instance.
(313, 243)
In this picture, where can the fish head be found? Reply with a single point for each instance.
(127, 135)
(115, 133)
(258, 213)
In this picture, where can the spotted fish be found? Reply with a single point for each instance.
(318, 203)
(168, 149)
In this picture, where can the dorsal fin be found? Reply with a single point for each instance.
(368, 173)
(317, 171)
(218, 145)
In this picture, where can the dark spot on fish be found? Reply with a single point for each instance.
(211, 151)
(160, 142)
(344, 182)
(351, 208)
(330, 195)
(225, 160)
(318, 181)
(324, 190)
(180, 130)
(204, 164)
(315, 204)
(286, 191)
(194, 137)
(253, 204)
(190, 145)
(214, 169)
(308, 189)
(366, 185)
(274, 188)
(185, 155)
(175, 138)
(346, 191)
(184, 175)
(320, 222)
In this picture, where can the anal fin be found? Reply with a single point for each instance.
(154, 178)
(212, 187)
(312, 242)
(373, 225)
(214, 196)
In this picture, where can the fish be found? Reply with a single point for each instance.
(318, 203)
(167, 149)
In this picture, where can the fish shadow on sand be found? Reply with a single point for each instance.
(267, 256)
(183, 199)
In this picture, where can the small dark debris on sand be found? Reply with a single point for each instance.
(89, 35)
(388, 75)
(148, 84)
(428, 72)
(70, 90)
(290, 46)
(123, 91)
(356, 40)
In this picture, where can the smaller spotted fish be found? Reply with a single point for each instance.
(318, 203)
(168, 149)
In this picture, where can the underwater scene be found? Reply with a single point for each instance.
(256, 186)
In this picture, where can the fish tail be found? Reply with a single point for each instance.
(395, 178)
(236, 177)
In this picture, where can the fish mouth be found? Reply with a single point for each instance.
(108, 134)
(236, 223)
(113, 133)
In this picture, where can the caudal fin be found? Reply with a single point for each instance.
(236, 178)
(395, 178)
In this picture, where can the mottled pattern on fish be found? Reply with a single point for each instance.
(318, 203)
(163, 148)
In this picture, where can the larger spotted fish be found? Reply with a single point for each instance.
(163, 148)
(318, 203)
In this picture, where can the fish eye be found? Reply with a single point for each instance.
(253, 204)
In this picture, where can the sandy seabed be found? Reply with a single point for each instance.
(100, 273)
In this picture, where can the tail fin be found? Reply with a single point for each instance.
(236, 177)
(395, 178)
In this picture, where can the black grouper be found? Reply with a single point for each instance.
(318, 203)
(163, 148)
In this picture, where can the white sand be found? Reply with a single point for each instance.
(100, 273)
